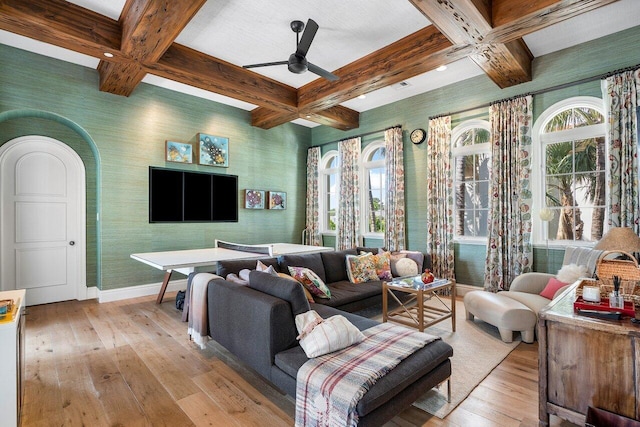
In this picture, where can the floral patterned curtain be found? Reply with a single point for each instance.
(313, 208)
(394, 229)
(440, 198)
(621, 93)
(509, 248)
(348, 215)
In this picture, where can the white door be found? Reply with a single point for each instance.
(42, 223)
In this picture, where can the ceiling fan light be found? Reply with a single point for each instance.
(441, 68)
(108, 54)
(297, 64)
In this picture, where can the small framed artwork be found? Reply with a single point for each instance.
(254, 199)
(277, 200)
(179, 152)
(213, 150)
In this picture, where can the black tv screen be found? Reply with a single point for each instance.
(184, 196)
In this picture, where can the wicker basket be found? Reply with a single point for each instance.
(628, 272)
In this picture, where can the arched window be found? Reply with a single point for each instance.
(471, 152)
(572, 184)
(329, 191)
(375, 191)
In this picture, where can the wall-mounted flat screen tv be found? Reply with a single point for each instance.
(185, 196)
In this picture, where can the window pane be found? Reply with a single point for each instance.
(483, 194)
(378, 154)
(559, 158)
(482, 136)
(465, 139)
(484, 166)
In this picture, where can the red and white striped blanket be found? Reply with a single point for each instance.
(329, 387)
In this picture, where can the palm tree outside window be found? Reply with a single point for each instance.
(471, 152)
(573, 184)
(329, 191)
(375, 193)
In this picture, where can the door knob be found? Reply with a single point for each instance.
(72, 243)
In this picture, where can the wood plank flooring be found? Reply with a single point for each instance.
(130, 363)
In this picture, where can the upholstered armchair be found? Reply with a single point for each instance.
(527, 287)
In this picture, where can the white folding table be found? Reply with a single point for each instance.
(186, 261)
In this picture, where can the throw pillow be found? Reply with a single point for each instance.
(571, 272)
(311, 281)
(552, 287)
(417, 256)
(261, 267)
(320, 336)
(231, 277)
(361, 268)
(405, 267)
(382, 264)
(244, 274)
(307, 294)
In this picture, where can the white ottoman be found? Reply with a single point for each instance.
(506, 314)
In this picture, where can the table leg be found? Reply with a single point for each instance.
(163, 288)
(453, 306)
(421, 310)
(384, 301)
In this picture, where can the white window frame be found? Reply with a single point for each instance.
(323, 173)
(467, 151)
(541, 139)
(364, 201)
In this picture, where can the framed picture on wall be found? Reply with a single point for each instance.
(179, 152)
(213, 150)
(277, 200)
(254, 199)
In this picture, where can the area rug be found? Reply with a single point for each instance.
(477, 350)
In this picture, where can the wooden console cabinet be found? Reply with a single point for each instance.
(586, 362)
(12, 360)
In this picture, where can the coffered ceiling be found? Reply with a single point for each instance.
(384, 49)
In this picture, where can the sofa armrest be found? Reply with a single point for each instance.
(532, 283)
(252, 325)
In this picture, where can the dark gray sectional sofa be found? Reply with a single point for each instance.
(256, 323)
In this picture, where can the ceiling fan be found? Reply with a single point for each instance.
(297, 62)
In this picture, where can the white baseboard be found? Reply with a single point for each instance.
(138, 291)
(461, 289)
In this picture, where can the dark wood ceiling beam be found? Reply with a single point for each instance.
(188, 66)
(266, 118)
(338, 117)
(468, 22)
(513, 20)
(63, 24)
(422, 51)
(142, 40)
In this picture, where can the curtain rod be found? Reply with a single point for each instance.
(541, 91)
(357, 136)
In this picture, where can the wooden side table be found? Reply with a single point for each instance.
(586, 362)
(419, 315)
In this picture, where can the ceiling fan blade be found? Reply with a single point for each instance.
(266, 64)
(310, 31)
(321, 72)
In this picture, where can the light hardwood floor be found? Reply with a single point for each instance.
(130, 363)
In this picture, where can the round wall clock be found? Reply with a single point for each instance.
(417, 136)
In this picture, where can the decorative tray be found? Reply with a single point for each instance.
(603, 305)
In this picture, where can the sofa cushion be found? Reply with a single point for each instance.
(234, 266)
(311, 261)
(345, 292)
(382, 264)
(278, 287)
(335, 267)
(534, 302)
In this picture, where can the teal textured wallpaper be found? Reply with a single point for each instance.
(130, 135)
